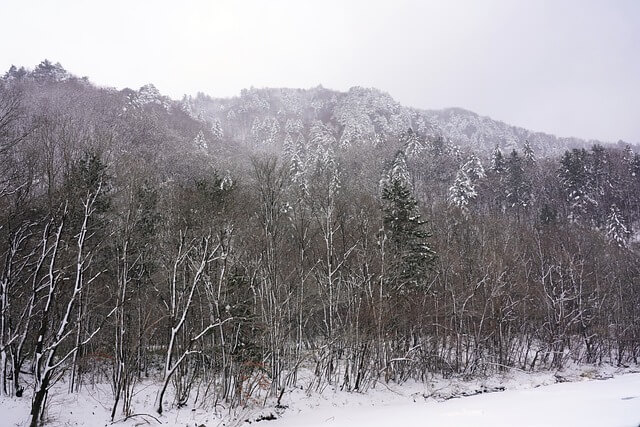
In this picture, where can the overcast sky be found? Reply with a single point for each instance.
(567, 67)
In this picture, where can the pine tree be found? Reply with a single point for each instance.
(321, 136)
(575, 178)
(265, 131)
(298, 163)
(529, 155)
(413, 146)
(406, 231)
(15, 73)
(200, 141)
(635, 167)
(617, 231)
(48, 71)
(462, 192)
(627, 155)
(496, 186)
(498, 164)
(216, 131)
(474, 169)
(518, 187)
(438, 146)
(599, 170)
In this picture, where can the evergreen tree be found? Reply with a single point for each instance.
(617, 231)
(498, 164)
(216, 131)
(413, 146)
(599, 171)
(200, 141)
(496, 185)
(51, 72)
(574, 175)
(298, 164)
(461, 193)
(529, 155)
(635, 167)
(15, 73)
(321, 136)
(518, 187)
(627, 156)
(404, 227)
(437, 146)
(474, 169)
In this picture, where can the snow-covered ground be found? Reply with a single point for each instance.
(597, 403)
(602, 397)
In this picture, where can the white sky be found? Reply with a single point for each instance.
(569, 67)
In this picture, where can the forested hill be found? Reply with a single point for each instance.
(229, 249)
(358, 116)
(362, 130)
(363, 115)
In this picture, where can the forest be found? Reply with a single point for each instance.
(231, 249)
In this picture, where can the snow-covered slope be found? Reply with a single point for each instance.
(362, 115)
(469, 129)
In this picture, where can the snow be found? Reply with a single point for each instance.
(612, 402)
(593, 397)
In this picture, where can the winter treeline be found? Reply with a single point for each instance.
(231, 259)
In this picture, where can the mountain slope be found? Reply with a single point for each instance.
(270, 117)
(362, 115)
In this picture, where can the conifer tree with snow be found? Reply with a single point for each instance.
(617, 231)
(601, 185)
(496, 177)
(50, 72)
(149, 94)
(627, 155)
(599, 169)
(575, 178)
(15, 73)
(474, 169)
(413, 146)
(529, 155)
(498, 163)
(518, 186)
(412, 254)
(200, 141)
(635, 166)
(216, 131)
(461, 193)
(320, 135)
(298, 163)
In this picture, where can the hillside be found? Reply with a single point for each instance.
(225, 253)
(363, 115)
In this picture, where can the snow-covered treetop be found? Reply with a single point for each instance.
(413, 145)
(529, 155)
(48, 71)
(397, 172)
(44, 71)
(462, 192)
(149, 94)
(617, 232)
(473, 168)
(200, 141)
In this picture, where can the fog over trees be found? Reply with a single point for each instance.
(223, 247)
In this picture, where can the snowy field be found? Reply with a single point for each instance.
(603, 397)
(597, 403)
